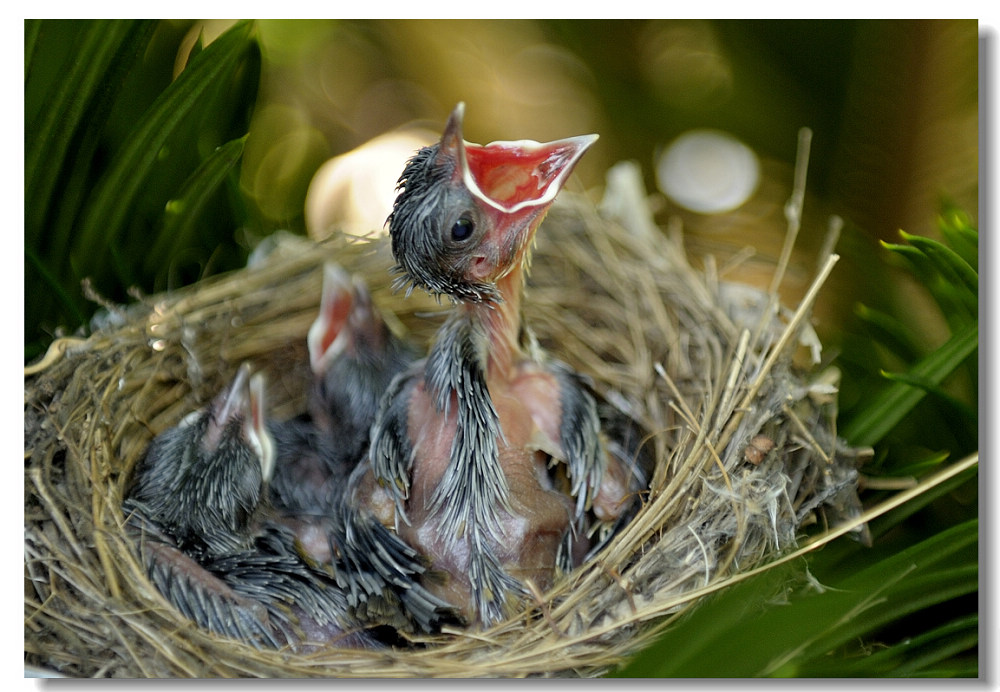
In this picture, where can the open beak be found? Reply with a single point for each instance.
(347, 321)
(516, 175)
(325, 338)
(242, 402)
(228, 406)
(255, 426)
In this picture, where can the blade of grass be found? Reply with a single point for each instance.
(882, 597)
(964, 411)
(918, 467)
(890, 332)
(956, 304)
(91, 78)
(961, 236)
(32, 27)
(875, 420)
(117, 190)
(908, 657)
(53, 201)
(183, 212)
(955, 270)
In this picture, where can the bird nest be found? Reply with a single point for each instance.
(744, 443)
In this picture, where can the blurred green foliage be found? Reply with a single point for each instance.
(949, 271)
(130, 172)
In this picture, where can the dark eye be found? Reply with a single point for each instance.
(462, 229)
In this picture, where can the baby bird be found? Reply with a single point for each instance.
(198, 505)
(202, 481)
(353, 355)
(486, 455)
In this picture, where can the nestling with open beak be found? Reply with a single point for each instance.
(198, 502)
(486, 455)
(353, 356)
(214, 548)
(203, 480)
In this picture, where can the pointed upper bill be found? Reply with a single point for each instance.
(228, 406)
(242, 404)
(347, 321)
(255, 427)
(326, 335)
(511, 176)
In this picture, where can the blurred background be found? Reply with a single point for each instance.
(893, 107)
(158, 153)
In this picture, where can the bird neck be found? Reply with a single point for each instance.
(501, 321)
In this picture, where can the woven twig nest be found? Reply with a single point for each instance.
(744, 441)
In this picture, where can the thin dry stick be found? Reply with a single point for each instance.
(736, 370)
(793, 209)
(833, 229)
(801, 427)
(778, 349)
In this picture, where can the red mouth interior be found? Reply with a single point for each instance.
(510, 174)
(336, 312)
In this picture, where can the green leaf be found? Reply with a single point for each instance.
(955, 270)
(32, 27)
(103, 51)
(960, 234)
(909, 657)
(118, 189)
(708, 640)
(96, 95)
(957, 305)
(936, 570)
(737, 633)
(966, 413)
(920, 466)
(890, 332)
(183, 212)
(875, 420)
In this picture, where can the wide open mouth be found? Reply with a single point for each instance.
(334, 312)
(514, 175)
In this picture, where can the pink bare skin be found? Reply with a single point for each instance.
(496, 196)
(526, 399)
(528, 537)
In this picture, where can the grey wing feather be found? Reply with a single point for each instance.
(205, 599)
(391, 452)
(380, 566)
(580, 436)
